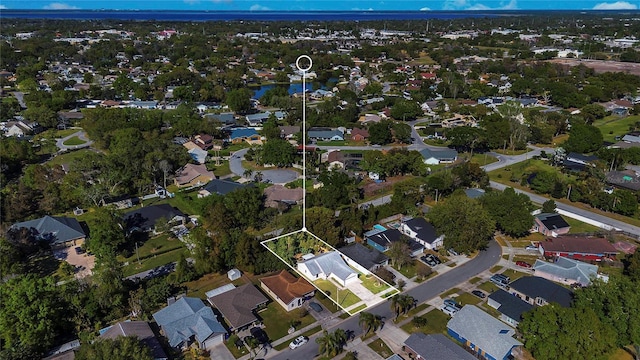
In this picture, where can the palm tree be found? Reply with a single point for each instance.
(331, 344)
(407, 302)
(247, 173)
(369, 321)
(395, 304)
(258, 176)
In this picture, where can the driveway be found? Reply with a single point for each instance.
(80, 134)
(275, 176)
(83, 263)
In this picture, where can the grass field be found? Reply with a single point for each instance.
(483, 159)
(373, 284)
(221, 170)
(436, 323)
(578, 227)
(153, 262)
(277, 321)
(74, 141)
(467, 299)
(235, 351)
(380, 348)
(69, 157)
(514, 275)
(55, 134)
(612, 126)
(411, 270)
(449, 292)
(488, 287)
(346, 297)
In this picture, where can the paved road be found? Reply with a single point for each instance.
(275, 176)
(20, 97)
(506, 160)
(618, 225)
(80, 134)
(427, 290)
(158, 271)
(375, 202)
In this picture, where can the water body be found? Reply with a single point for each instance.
(293, 88)
(174, 15)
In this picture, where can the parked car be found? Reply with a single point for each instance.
(449, 310)
(315, 306)
(523, 264)
(479, 294)
(299, 341)
(452, 303)
(79, 250)
(259, 335)
(531, 248)
(452, 252)
(500, 280)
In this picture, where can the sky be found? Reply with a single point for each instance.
(333, 5)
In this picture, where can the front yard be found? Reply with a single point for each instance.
(277, 321)
(373, 284)
(344, 297)
(410, 271)
(436, 323)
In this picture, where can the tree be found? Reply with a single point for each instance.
(548, 207)
(399, 253)
(120, 348)
(42, 115)
(239, 100)
(278, 152)
(402, 133)
(592, 112)
(583, 138)
(110, 288)
(31, 312)
(402, 303)
(107, 234)
(370, 322)
(511, 211)
(331, 344)
(380, 134)
(467, 226)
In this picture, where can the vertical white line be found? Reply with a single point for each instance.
(304, 152)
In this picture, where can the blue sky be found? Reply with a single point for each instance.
(302, 5)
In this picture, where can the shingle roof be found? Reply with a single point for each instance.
(568, 269)
(535, 287)
(190, 171)
(578, 244)
(147, 216)
(324, 134)
(486, 332)
(140, 329)
(552, 221)
(55, 229)
(474, 193)
(510, 305)
(444, 154)
(436, 346)
(222, 186)
(286, 286)
(366, 257)
(188, 317)
(426, 231)
(387, 237)
(237, 305)
(329, 263)
(242, 133)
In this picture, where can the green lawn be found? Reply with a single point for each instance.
(380, 348)
(154, 262)
(412, 269)
(199, 287)
(436, 323)
(74, 141)
(467, 299)
(221, 170)
(531, 259)
(481, 159)
(231, 345)
(495, 269)
(68, 157)
(55, 134)
(514, 275)
(277, 321)
(579, 227)
(160, 243)
(612, 126)
(474, 280)
(373, 284)
(346, 297)
(488, 287)
(411, 313)
(447, 293)
(341, 143)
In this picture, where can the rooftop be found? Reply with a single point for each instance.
(510, 305)
(567, 268)
(578, 244)
(552, 221)
(55, 229)
(188, 317)
(363, 255)
(237, 305)
(436, 346)
(537, 287)
(286, 286)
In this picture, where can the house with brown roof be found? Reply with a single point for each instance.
(239, 306)
(277, 195)
(578, 248)
(359, 134)
(204, 141)
(193, 175)
(287, 290)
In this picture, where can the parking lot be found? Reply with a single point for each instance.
(83, 263)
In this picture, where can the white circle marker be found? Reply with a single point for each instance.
(305, 57)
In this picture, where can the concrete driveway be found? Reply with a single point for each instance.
(80, 134)
(83, 263)
(275, 176)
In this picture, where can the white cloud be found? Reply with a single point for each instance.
(425, 9)
(258, 7)
(2, 7)
(618, 5)
(191, 2)
(467, 5)
(59, 6)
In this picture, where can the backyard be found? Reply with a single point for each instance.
(73, 141)
(154, 252)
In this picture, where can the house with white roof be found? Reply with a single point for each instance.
(566, 271)
(329, 265)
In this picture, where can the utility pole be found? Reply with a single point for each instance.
(137, 254)
(569, 192)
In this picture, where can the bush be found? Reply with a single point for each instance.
(419, 321)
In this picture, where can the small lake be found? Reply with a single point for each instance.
(258, 91)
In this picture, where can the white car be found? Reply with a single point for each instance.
(299, 341)
(449, 310)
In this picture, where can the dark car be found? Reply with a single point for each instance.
(259, 335)
(79, 250)
(479, 294)
(315, 306)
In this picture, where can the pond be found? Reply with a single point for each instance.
(294, 88)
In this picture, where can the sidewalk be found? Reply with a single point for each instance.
(272, 351)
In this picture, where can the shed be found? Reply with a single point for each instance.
(234, 274)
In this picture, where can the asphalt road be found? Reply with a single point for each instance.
(506, 160)
(425, 291)
(619, 225)
(81, 135)
(275, 176)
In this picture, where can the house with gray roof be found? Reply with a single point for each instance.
(145, 218)
(510, 306)
(550, 224)
(538, 291)
(189, 319)
(325, 135)
(381, 240)
(329, 265)
(484, 335)
(434, 346)
(422, 232)
(435, 157)
(56, 230)
(364, 258)
(566, 271)
(238, 306)
(139, 329)
(220, 187)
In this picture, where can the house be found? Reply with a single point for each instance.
(22, 128)
(68, 118)
(287, 290)
(483, 334)
(550, 224)
(434, 346)
(578, 248)
(329, 265)
(435, 157)
(224, 118)
(539, 291)
(288, 132)
(257, 119)
(509, 306)
(193, 175)
(238, 306)
(190, 319)
(422, 232)
(143, 105)
(196, 153)
(631, 138)
(359, 134)
(381, 240)
(474, 193)
(204, 141)
(139, 329)
(56, 230)
(65, 351)
(277, 195)
(219, 187)
(363, 258)
(119, 202)
(239, 135)
(145, 218)
(626, 179)
(578, 162)
(566, 271)
(325, 135)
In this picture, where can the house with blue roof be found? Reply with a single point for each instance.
(482, 334)
(329, 265)
(435, 157)
(56, 230)
(381, 239)
(239, 135)
(325, 135)
(188, 320)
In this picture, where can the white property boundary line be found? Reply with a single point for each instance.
(382, 299)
